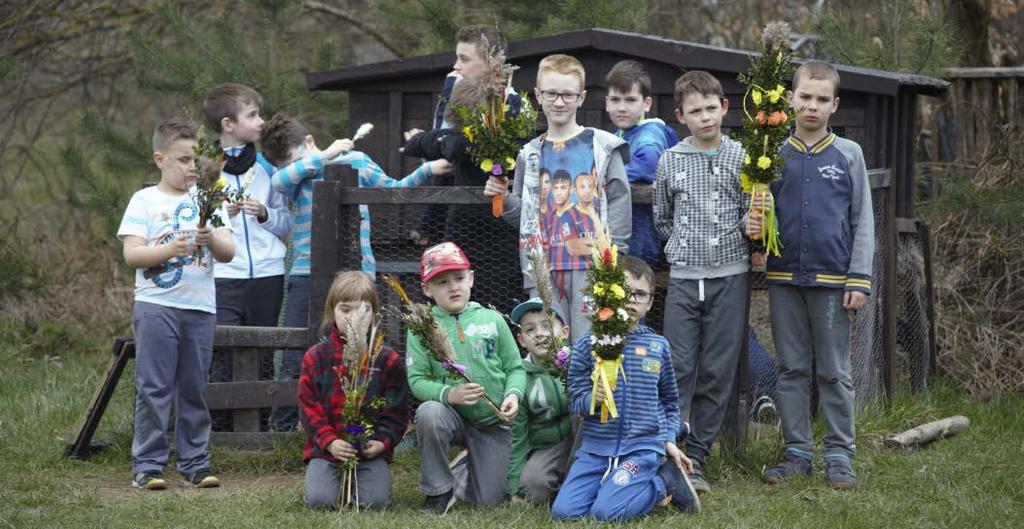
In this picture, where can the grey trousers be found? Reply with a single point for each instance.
(544, 471)
(571, 283)
(810, 322)
(172, 358)
(323, 482)
(437, 428)
(705, 325)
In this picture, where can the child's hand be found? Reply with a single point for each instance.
(853, 300)
(761, 200)
(465, 394)
(253, 207)
(232, 208)
(203, 236)
(373, 449)
(496, 185)
(599, 394)
(441, 167)
(752, 225)
(510, 406)
(338, 148)
(675, 454)
(180, 247)
(341, 450)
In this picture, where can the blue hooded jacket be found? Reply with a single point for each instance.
(647, 399)
(647, 140)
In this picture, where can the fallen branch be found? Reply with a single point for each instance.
(928, 432)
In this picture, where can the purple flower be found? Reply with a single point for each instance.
(496, 170)
(562, 358)
(355, 429)
(452, 366)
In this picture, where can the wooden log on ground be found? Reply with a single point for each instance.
(928, 432)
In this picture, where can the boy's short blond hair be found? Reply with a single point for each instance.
(820, 71)
(172, 130)
(467, 93)
(225, 101)
(562, 64)
(697, 82)
(279, 136)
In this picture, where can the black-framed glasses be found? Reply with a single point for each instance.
(639, 296)
(552, 96)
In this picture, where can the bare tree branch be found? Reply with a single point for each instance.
(321, 7)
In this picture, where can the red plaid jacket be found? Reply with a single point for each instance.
(321, 398)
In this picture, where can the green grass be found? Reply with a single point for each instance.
(970, 481)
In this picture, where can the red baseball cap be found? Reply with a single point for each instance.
(441, 258)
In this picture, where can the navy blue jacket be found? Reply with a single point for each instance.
(826, 224)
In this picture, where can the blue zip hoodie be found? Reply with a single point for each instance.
(647, 140)
(826, 224)
(647, 400)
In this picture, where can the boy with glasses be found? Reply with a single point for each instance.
(567, 147)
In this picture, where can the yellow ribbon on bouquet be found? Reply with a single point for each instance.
(769, 222)
(605, 374)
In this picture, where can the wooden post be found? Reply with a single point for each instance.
(81, 447)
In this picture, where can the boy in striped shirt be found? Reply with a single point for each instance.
(287, 145)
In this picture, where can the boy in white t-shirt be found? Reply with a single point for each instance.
(174, 314)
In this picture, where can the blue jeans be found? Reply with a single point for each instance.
(296, 314)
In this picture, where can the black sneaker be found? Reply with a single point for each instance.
(149, 481)
(439, 504)
(202, 478)
(700, 484)
(791, 465)
(678, 485)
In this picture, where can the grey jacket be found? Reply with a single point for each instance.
(522, 206)
(699, 206)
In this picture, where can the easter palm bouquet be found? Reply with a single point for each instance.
(609, 324)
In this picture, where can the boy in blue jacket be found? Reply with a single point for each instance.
(620, 471)
(822, 276)
(628, 100)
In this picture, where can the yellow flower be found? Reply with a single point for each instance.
(745, 182)
(615, 255)
(598, 288)
(618, 292)
(221, 183)
(487, 165)
(756, 96)
(468, 133)
(746, 160)
(775, 95)
(764, 162)
(510, 164)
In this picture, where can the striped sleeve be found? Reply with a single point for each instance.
(287, 178)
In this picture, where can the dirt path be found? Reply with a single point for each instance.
(121, 485)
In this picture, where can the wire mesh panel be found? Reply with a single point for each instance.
(913, 327)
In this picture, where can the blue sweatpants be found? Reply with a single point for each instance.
(172, 358)
(610, 488)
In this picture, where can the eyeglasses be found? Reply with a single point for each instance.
(639, 296)
(550, 96)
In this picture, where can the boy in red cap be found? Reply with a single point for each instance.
(453, 411)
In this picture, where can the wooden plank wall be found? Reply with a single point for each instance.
(983, 102)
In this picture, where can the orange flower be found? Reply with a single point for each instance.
(605, 313)
(777, 118)
(760, 118)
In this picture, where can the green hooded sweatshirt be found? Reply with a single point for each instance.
(543, 421)
(489, 353)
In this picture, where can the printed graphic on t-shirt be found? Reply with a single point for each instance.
(570, 200)
(168, 273)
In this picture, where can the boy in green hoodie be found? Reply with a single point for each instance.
(453, 411)
(542, 435)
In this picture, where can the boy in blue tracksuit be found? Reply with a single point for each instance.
(826, 226)
(620, 471)
(629, 98)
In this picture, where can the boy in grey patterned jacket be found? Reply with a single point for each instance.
(699, 207)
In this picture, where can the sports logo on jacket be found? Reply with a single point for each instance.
(831, 172)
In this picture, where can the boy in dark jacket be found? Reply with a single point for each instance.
(822, 276)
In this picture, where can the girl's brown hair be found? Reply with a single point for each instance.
(351, 285)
